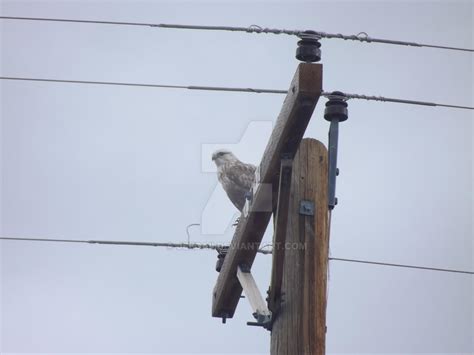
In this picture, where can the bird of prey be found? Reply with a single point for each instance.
(235, 176)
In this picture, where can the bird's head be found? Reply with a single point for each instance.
(223, 156)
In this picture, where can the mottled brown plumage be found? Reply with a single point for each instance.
(235, 176)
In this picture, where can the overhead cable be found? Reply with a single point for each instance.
(345, 96)
(220, 247)
(361, 36)
(120, 242)
(402, 265)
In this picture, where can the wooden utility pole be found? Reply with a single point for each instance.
(300, 325)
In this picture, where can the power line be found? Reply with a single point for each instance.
(345, 96)
(220, 247)
(402, 266)
(361, 37)
(145, 244)
(163, 86)
(401, 101)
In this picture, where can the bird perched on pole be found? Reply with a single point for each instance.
(235, 176)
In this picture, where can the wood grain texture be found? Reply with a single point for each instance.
(286, 136)
(300, 326)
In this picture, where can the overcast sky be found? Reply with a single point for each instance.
(123, 163)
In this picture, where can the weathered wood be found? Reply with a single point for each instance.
(253, 294)
(279, 235)
(300, 325)
(290, 126)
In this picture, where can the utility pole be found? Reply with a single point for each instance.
(299, 327)
(294, 172)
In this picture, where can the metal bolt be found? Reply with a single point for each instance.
(307, 207)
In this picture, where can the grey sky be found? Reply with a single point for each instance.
(90, 162)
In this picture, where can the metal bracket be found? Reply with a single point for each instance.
(266, 323)
(279, 236)
(335, 112)
(221, 253)
(244, 268)
(307, 208)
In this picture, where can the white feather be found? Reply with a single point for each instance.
(235, 176)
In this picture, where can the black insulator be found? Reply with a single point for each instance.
(219, 263)
(336, 107)
(221, 253)
(309, 47)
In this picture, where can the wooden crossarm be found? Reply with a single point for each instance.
(290, 126)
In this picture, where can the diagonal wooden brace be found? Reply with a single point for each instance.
(279, 236)
(260, 310)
